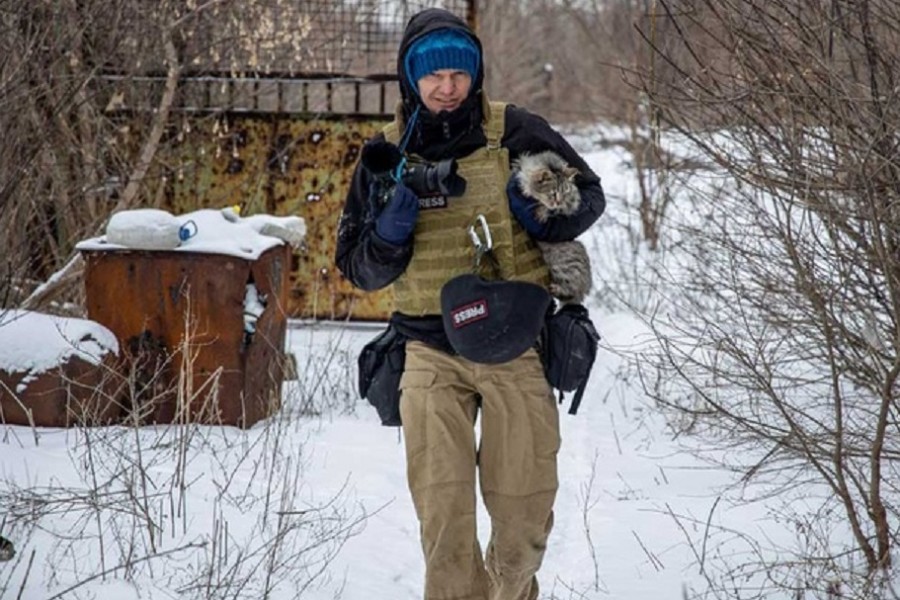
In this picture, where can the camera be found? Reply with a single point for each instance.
(425, 179)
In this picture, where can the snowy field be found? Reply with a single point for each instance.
(313, 503)
(628, 503)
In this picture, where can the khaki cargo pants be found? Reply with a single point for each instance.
(515, 461)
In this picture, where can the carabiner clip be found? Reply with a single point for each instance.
(487, 244)
(483, 247)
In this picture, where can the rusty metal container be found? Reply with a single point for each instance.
(57, 371)
(179, 319)
(76, 392)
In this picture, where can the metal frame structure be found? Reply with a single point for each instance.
(281, 142)
(357, 91)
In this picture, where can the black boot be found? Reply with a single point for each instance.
(6, 549)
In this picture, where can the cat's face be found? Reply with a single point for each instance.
(555, 189)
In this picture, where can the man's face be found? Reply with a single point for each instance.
(444, 89)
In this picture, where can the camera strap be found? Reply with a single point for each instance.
(407, 133)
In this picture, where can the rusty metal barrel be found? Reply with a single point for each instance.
(202, 333)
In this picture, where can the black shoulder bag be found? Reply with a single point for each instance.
(568, 349)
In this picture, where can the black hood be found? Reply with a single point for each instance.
(420, 24)
(454, 133)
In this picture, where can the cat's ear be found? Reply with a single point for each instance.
(570, 173)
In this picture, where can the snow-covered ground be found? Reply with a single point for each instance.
(316, 506)
(628, 499)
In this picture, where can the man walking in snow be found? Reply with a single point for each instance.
(419, 244)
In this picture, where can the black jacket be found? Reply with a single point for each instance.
(371, 263)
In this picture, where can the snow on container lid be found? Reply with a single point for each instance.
(207, 231)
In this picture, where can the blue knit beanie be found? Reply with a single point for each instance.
(441, 49)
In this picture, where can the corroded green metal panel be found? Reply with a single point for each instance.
(283, 165)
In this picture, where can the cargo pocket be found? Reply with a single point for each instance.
(413, 379)
(415, 388)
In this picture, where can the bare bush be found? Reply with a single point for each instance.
(785, 345)
(214, 511)
(86, 94)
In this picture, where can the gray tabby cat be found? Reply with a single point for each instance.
(547, 178)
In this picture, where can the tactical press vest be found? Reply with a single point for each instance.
(442, 248)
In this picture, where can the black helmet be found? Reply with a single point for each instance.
(492, 321)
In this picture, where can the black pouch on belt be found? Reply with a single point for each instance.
(380, 367)
(568, 349)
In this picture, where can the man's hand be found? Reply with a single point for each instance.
(523, 208)
(397, 220)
